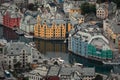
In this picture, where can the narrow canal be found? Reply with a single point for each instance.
(53, 49)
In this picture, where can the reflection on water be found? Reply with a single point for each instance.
(52, 48)
(99, 67)
(26, 40)
(9, 34)
(1, 31)
(55, 49)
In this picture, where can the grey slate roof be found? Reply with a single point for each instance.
(83, 71)
(88, 71)
(59, 70)
(15, 48)
(49, 22)
(54, 70)
(114, 26)
(28, 19)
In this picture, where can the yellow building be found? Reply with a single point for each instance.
(112, 30)
(75, 10)
(51, 29)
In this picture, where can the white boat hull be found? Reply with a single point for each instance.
(28, 36)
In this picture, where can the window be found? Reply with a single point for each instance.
(4, 61)
(9, 61)
(23, 51)
(11, 52)
(17, 48)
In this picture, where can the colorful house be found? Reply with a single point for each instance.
(11, 17)
(87, 43)
(51, 29)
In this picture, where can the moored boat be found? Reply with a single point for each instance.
(28, 36)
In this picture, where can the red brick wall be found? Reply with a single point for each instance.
(10, 22)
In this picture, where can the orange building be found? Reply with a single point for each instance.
(51, 29)
(75, 10)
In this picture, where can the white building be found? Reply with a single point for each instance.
(21, 3)
(62, 72)
(8, 7)
(92, 1)
(30, 1)
(3, 8)
(20, 52)
(38, 73)
(27, 24)
(68, 5)
(105, 9)
(1, 18)
(52, 7)
(77, 18)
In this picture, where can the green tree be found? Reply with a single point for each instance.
(101, 1)
(88, 8)
(32, 7)
(93, 8)
(25, 78)
(115, 1)
(98, 77)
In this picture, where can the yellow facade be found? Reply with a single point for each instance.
(75, 10)
(48, 46)
(54, 31)
(112, 34)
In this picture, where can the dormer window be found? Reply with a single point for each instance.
(23, 51)
(17, 48)
(11, 52)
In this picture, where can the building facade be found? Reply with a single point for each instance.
(102, 13)
(55, 29)
(19, 52)
(111, 30)
(11, 17)
(104, 10)
(72, 6)
(87, 44)
(3, 8)
(11, 21)
(27, 24)
(77, 18)
(56, 72)
(1, 18)
(38, 73)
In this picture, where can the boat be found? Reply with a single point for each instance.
(64, 41)
(28, 36)
(14, 29)
(61, 60)
(111, 63)
(78, 64)
(32, 44)
(19, 32)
